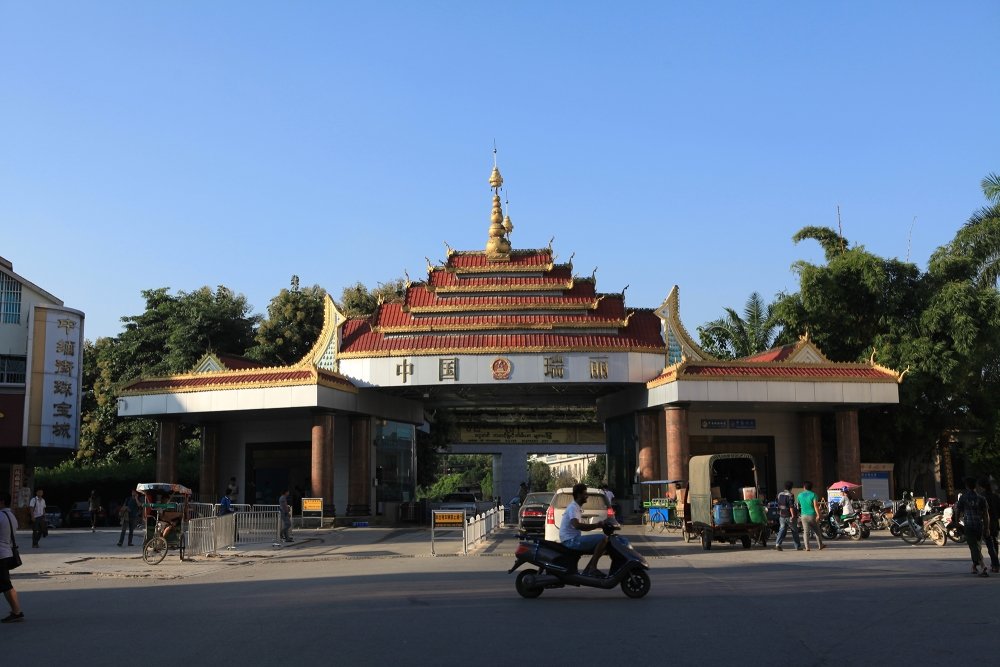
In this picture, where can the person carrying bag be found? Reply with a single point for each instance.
(10, 559)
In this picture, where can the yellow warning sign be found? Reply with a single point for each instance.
(449, 518)
(312, 504)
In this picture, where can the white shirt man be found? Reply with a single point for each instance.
(38, 527)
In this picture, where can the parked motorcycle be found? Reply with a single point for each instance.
(932, 518)
(557, 566)
(906, 522)
(954, 529)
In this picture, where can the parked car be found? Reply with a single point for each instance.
(79, 515)
(53, 516)
(595, 509)
(460, 502)
(531, 516)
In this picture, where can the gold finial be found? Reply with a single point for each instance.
(497, 244)
(508, 226)
(430, 267)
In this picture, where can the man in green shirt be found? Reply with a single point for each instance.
(809, 508)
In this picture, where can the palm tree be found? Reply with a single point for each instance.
(734, 336)
(979, 238)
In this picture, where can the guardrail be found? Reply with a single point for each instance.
(481, 525)
(207, 535)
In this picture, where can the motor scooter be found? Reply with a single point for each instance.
(558, 566)
(833, 526)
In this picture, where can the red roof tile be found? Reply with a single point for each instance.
(778, 371)
(222, 380)
(774, 354)
(521, 259)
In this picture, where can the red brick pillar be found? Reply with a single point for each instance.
(649, 446)
(848, 446)
(359, 484)
(166, 452)
(322, 458)
(812, 450)
(208, 473)
(678, 442)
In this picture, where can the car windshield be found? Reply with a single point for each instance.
(595, 501)
(539, 498)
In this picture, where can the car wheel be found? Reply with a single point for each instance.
(522, 587)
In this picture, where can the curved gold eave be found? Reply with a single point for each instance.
(333, 320)
(669, 313)
(501, 326)
(232, 381)
(529, 287)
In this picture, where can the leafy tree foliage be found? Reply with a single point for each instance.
(294, 322)
(359, 301)
(540, 477)
(734, 336)
(597, 470)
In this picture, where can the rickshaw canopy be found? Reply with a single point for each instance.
(163, 487)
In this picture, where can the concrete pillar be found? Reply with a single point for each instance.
(208, 489)
(649, 446)
(166, 452)
(321, 471)
(812, 450)
(359, 485)
(848, 446)
(678, 442)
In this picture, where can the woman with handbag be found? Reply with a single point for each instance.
(9, 559)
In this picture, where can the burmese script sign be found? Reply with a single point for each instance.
(528, 435)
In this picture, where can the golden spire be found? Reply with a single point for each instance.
(497, 245)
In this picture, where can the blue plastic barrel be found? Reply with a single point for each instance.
(722, 513)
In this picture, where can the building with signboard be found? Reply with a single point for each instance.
(41, 364)
(527, 358)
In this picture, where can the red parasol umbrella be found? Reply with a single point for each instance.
(839, 485)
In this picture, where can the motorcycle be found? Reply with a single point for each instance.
(834, 527)
(906, 522)
(932, 517)
(557, 566)
(954, 529)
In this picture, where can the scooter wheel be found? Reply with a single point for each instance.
(522, 587)
(894, 530)
(636, 583)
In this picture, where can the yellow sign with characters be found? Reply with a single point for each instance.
(312, 504)
(449, 518)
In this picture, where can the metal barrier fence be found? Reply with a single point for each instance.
(481, 525)
(206, 535)
(257, 527)
(267, 508)
(201, 510)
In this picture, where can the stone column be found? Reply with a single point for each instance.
(812, 450)
(208, 473)
(649, 446)
(166, 452)
(359, 485)
(848, 446)
(322, 457)
(678, 442)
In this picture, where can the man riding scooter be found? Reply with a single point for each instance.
(572, 527)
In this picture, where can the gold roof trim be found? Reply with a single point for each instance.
(540, 287)
(500, 268)
(232, 381)
(333, 320)
(500, 326)
(433, 352)
(499, 307)
(669, 313)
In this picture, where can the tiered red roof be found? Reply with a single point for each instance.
(524, 302)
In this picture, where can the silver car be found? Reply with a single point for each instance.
(595, 510)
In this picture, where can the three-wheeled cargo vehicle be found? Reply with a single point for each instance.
(166, 511)
(722, 496)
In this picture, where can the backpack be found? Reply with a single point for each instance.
(785, 504)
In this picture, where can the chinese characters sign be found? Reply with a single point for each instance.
(55, 362)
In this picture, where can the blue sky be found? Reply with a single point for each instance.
(182, 144)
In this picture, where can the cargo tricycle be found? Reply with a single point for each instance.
(165, 509)
(722, 496)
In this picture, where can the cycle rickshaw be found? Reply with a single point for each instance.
(165, 511)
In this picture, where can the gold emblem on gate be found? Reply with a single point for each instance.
(501, 368)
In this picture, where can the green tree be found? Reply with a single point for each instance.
(540, 477)
(294, 322)
(597, 471)
(734, 336)
(169, 337)
(359, 301)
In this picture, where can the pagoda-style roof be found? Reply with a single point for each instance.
(241, 379)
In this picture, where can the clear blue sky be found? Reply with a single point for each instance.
(182, 144)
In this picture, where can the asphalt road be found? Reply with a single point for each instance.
(875, 601)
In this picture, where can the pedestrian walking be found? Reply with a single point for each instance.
(787, 518)
(8, 545)
(39, 528)
(809, 509)
(993, 526)
(286, 517)
(129, 516)
(972, 508)
(94, 505)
